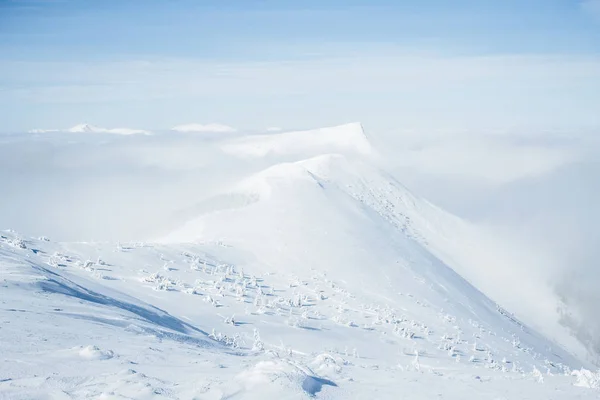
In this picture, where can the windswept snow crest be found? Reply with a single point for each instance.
(349, 138)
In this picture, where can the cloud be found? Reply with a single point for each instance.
(478, 156)
(86, 128)
(382, 90)
(213, 127)
(537, 193)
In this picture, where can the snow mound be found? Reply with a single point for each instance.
(349, 138)
(213, 127)
(269, 376)
(95, 353)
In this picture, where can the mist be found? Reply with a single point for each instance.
(106, 187)
(538, 192)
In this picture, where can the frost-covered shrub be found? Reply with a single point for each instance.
(587, 378)
(537, 375)
(258, 344)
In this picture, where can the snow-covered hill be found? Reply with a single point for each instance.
(314, 274)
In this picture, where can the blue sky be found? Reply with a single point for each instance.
(430, 64)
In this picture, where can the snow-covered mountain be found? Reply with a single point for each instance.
(314, 274)
(87, 128)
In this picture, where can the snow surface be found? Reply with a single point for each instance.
(213, 127)
(317, 275)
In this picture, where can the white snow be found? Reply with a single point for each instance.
(212, 127)
(43, 130)
(86, 128)
(309, 273)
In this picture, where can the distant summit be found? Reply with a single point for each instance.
(87, 128)
(84, 128)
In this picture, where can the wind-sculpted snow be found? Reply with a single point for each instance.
(55, 283)
(95, 320)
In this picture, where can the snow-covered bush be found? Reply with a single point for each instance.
(587, 378)
(258, 344)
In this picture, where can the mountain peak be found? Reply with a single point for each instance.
(83, 128)
(343, 139)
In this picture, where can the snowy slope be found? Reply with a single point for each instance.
(319, 275)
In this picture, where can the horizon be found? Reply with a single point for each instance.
(428, 66)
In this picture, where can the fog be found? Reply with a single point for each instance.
(538, 192)
(105, 187)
